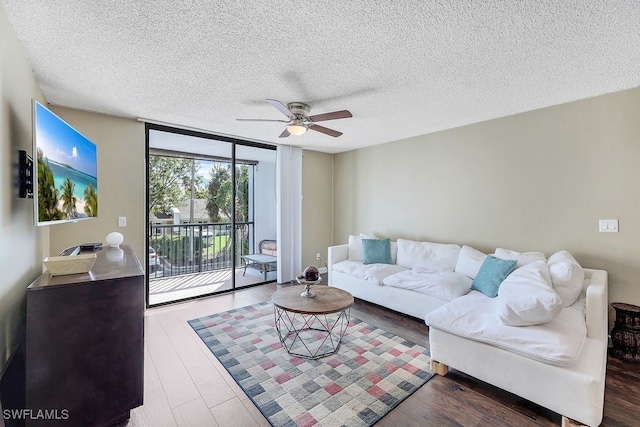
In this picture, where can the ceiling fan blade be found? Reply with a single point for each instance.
(342, 114)
(262, 120)
(281, 107)
(325, 130)
(284, 134)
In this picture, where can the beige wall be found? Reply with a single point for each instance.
(121, 182)
(534, 181)
(20, 240)
(317, 231)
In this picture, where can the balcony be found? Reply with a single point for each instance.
(195, 259)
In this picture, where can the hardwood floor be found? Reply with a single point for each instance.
(185, 385)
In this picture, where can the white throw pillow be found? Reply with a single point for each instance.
(562, 256)
(394, 251)
(469, 261)
(355, 247)
(567, 276)
(522, 258)
(526, 297)
(432, 256)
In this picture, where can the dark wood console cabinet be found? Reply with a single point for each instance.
(85, 343)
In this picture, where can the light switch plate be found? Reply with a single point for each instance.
(608, 225)
(122, 221)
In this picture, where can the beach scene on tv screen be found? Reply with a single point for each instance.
(67, 170)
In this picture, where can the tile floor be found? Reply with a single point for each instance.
(184, 383)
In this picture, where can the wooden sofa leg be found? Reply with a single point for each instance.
(568, 422)
(440, 368)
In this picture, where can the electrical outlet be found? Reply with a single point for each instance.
(318, 257)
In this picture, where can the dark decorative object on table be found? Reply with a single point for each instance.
(625, 334)
(311, 274)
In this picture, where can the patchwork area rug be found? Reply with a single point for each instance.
(372, 372)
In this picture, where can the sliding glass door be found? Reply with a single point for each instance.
(211, 207)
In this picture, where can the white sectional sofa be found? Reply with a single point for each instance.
(346, 270)
(555, 357)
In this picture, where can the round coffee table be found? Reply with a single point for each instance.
(311, 328)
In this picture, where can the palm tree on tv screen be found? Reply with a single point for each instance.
(47, 192)
(90, 201)
(68, 201)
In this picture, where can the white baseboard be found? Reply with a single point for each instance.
(322, 270)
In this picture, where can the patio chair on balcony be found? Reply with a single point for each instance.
(264, 260)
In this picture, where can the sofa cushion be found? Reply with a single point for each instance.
(491, 274)
(527, 298)
(374, 273)
(567, 276)
(522, 258)
(469, 261)
(376, 251)
(473, 316)
(394, 252)
(444, 285)
(355, 246)
(268, 247)
(433, 256)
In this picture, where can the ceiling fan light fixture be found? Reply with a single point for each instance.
(299, 121)
(296, 129)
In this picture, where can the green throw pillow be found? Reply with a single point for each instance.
(491, 274)
(376, 251)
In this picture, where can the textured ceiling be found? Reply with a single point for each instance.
(403, 68)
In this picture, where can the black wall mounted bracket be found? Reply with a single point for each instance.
(25, 175)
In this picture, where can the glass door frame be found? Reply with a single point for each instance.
(219, 138)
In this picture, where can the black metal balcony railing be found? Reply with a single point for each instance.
(193, 248)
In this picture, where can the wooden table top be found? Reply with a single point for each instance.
(111, 263)
(327, 300)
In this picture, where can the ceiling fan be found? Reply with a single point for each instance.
(299, 121)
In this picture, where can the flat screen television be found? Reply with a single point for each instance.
(65, 176)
